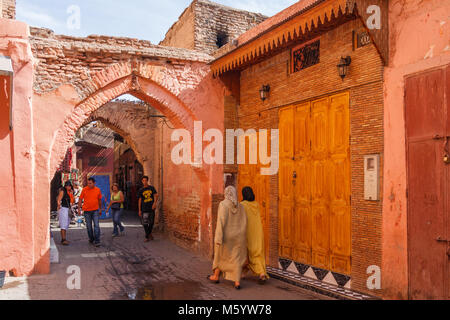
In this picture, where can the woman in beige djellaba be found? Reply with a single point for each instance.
(230, 252)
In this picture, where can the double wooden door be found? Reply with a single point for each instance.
(314, 184)
(427, 101)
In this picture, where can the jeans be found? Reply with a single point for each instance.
(116, 215)
(148, 223)
(93, 216)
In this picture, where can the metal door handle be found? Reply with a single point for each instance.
(447, 159)
(439, 137)
(439, 239)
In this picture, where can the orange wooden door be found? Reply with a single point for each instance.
(319, 184)
(286, 187)
(339, 186)
(261, 190)
(302, 218)
(314, 183)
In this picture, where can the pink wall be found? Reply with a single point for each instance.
(44, 127)
(19, 225)
(419, 40)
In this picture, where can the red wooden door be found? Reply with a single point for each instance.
(427, 129)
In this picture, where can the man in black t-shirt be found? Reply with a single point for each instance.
(148, 198)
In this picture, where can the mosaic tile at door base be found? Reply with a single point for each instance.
(319, 280)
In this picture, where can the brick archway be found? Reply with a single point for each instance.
(75, 77)
(154, 94)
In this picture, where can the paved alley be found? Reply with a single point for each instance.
(127, 268)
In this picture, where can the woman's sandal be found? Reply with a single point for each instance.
(237, 287)
(212, 281)
(65, 242)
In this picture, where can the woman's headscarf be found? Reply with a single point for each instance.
(230, 194)
(248, 195)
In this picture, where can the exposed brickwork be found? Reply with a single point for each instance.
(209, 21)
(230, 122)
(183, 220)
(8, 9)
(364, 83)
(63, 59)
(182, 32)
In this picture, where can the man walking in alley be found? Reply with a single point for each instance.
(148, 197)
(91, 197)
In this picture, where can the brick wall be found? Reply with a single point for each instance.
(203, 22)
(65, 59)
(364, 83)
(182, 200)
(182, 33)
(8, 8)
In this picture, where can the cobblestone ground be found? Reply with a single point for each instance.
(127, 268)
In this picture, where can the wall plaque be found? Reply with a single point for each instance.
(306, 56)
(363, 39)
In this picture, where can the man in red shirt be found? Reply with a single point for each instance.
(91, 197)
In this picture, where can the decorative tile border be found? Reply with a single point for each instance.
(318, 280)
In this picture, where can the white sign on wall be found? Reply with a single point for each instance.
(372, 177)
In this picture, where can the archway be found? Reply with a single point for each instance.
(199, 98)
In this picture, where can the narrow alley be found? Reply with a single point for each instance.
(126, 268)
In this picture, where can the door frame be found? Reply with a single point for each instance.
(350, 172)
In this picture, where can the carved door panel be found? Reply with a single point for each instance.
(286, 191)
(302, 185)
(319, 184)
(339, 186)
(314, 184)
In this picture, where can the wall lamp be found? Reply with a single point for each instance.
(264, 92)
(6, 77)
(343, 66)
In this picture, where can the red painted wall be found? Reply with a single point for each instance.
(419, 41)
(24, 241)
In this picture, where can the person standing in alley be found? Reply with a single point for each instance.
(148, 198)
(65, 201)
(116, 206)
(91, 198)
(255, 236)
(76, 191)
(230, 252)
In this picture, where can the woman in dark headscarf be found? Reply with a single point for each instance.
(255, 236)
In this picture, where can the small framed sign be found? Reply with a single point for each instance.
(362, 39)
